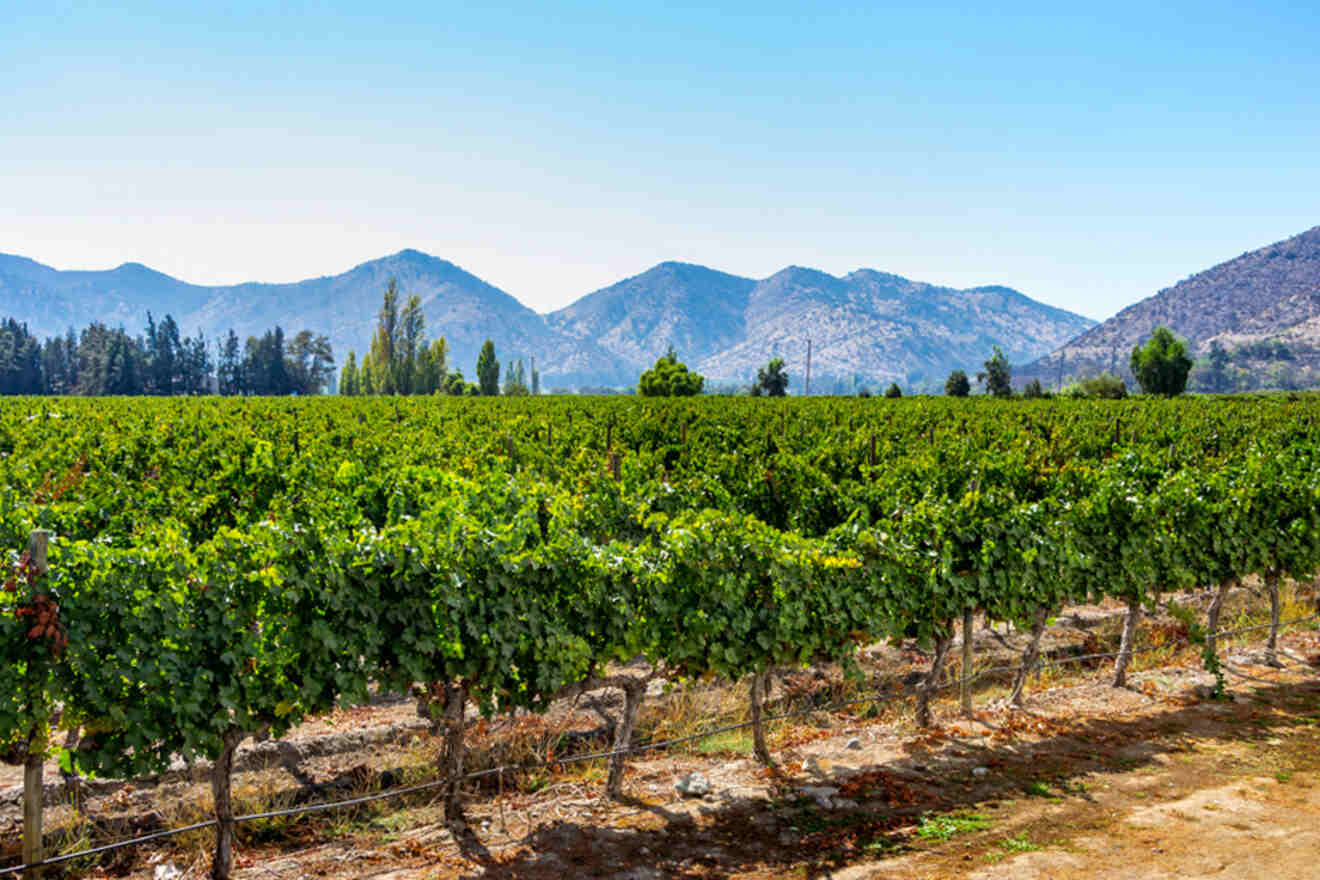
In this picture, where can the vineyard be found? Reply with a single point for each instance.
(222, 568)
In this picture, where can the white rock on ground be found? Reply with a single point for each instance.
(693, 784)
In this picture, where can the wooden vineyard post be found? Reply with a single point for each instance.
(36, 748)
(614, 465)
(760, 683)
(965, 686)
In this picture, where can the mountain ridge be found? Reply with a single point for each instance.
(869, 324)
(1270, 293)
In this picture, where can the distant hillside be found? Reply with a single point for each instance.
(1268, 294)
(868, 325)
(51, 301)
(457, 304)
(886, 327)
(698, 311)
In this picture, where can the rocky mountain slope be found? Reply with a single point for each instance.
(868, 324)
(1268, 294)
(885, 327)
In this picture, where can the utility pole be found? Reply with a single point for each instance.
(807, 393)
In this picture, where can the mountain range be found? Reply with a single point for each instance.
(867, 326)
(1270, 295)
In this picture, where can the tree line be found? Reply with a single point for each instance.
(402, 361)
(100, 361)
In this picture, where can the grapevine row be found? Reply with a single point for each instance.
(223, 569)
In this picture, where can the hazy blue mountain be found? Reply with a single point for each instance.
(698, 311)
(51, 301)
(869, 324)
(457, 304)
(886, 327)
(1268, 294)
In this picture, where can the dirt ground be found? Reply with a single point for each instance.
(1152, 781)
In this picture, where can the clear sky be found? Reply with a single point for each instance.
(1087, 158)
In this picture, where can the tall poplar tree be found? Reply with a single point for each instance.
(488, 370)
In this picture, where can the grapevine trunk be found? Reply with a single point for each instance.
(924, 717)
(1125, 646)
(1029, 656)
(633, 693)
(221, 788)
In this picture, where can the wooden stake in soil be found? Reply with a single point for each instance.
(221, 778)
(1029, 656)
(924, 717)
(965, 686)
(762, 751)
(36, 746)
(1125, 646)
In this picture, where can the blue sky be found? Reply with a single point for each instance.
(1087, 158)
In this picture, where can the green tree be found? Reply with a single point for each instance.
(669, 377)
(366, 383)
(488, 370)
(1213, 374)
(348, 377)
(409, 366)
(515, 382)
(1033, 390)
(229, 373)
(265, 366)
(20, 360)
(893, 390)
(385, 355)
(434, 367)
(771, 380)
(957, 385)
(311, 362)
(1161, 365)
(997, 376)
(1106, 386)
